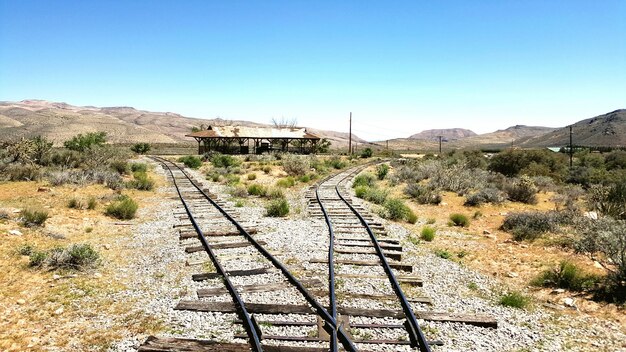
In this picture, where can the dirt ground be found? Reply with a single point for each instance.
(56, 310)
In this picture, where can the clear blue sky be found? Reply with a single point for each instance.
(400, 67)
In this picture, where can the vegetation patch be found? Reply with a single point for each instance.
(364, 179)
(566, 275)
(277, 208)
(286, 182)
(74, 257)
(381, 171)
(141, 181)
(428, 233)
(423, 194)
(460, 220)
(34, 217)
(191, 161)
(124, 208)
(531, 225)
(514, 300)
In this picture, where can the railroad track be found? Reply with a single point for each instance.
(241, 273)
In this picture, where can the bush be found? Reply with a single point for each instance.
(395, 209)
(267, 169)
(238, 191)
(381, 171)
(21, 172)
(75, 256)
(191, 161)
(286, 182)
(616, 160)
(513, 162)
(124, 208)
(275, 193)
(252, 177)
(364, 179)
(75, 203)
(335, 162)
(376, 195)
(138, 167)
(366, 153)
(485, 195)
(461, 220)
(277, 208)
(568, 276)
(141, 181)
(522, 190)
(428, 233)
(120, 166)
(81, 143)
(296, 165)
(91, 203)
(609, 200)
(37, 258)
(411, 218)
(34, 217)
(442, 253)
(305, 178)
(239, 203)
(530, 225)
(361, 191)
(222, 160)
(140, 148)
(423, 195)
(514, 299)
(256, 189)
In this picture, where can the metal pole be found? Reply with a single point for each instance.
(571, 149)
(350, 137)
(440, 144)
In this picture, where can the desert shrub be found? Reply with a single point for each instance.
(428, 233)
(296, 165)
(256, 189)
(395, 209)
(367, 153)
(120, 166)
(423, 194)
(360, 191)
(239, 203)
(76, 203)
(567, 275)
(231, 179)
(267, 169)
(606, 237)
(442, 253)
(138, 167)
(381, 171)
(544, 183)
(66, 159)
(513, 162)
(275, 193)
(608, 200)
(522, 190)
(457, 178)
(191, 161)
(514, 300)
(92, 203)
(141, 148)
(286, 182)
(22, 172)
(335, 162)
(461, 220)
(34, 217)
(37, 258)
(277, 208)
(252, 176)
(530, 225)
(223, 160)
(141, 181)
(485, 195)
(411, 218)
(238, 191)
(4, 215)
(566, 198)
(364, 179)
(305, 178)
(616, 160)
(376, 195)
(25, 249)
(74, 257)
(124, 208)
(81, 143)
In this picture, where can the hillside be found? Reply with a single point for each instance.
(448, 134)
(603, 130)
(61, 121)
(513, 135)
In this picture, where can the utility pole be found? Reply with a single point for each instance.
(571, 148)
(387, 145)
(440, 144)
(350, 137)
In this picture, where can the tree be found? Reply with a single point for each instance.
(41, 149)
(284, 122)
(323, 146)
(80, 142)
(141, 148)
(367, 153)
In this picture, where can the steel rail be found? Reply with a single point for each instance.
(331, 325)
(251, 327)
(415, 333)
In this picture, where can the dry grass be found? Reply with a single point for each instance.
(67, 312)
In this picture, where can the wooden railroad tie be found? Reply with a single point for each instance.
(157, 344)
(185, 234)
(247, 272)
(394, 265)
(216, 291)
(193, 249)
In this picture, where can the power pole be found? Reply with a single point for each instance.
(571, 148)
(440, 144)
(387, 145)
(350, 137)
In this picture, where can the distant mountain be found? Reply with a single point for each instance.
(61, 121)
(513, 135)
(448, 134)
(604, 130)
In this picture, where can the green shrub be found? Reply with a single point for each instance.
(22, 172)
(461, 220)
(411, 218)
(296, 165)
(428, 233)
(124, 208)
(361, 191)
(442, 253)
(422, 194)
(335, 162)
(522, 190)
(92, 203)
(376, 195)
(222, 160)
(34, 217)
(530, 225)
(120, 166)
(138, 167)
(25, 249)
(37, 258)
(231, 179)
(141, 148)
(367, 153)
(191, 161)
(75, 257)
(81, 143)
(141, 182)
(381, 171)
(567, 275)
(75, 203)
(286, 182)
(431, 221)
(304, 178)
(256, 189)
(513, 162)
(238, 191)
(395, 209)
(277, 208)
(88, 229)
(485, 195)
(267, 169)
(239, 203)
(609, 200)
(252, 177)
(275, 193)
(514, 299)
(364, 179)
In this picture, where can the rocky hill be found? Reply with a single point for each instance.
(449, 134)
(61, 121)
(604, 130)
